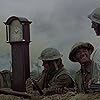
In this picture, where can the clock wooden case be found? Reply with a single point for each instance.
(18, 35)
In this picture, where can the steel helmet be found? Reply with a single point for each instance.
(50, 54)
(95, 15)
(77, 46)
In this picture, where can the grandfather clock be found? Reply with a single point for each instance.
(18, 35)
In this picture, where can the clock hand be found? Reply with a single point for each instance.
(16, 31)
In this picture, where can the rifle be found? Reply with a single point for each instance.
(16, 93)
(95, 87)
(37, 87)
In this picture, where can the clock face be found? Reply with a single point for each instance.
(16, 33)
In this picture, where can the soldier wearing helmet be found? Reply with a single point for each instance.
(95, 20)
(54, 78)
(88, 73)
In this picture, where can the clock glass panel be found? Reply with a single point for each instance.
(16, 33)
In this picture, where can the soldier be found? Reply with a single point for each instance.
(88, 73)
(5, 79)
(54, 77)
(95, 20)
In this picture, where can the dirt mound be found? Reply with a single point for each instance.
(9, 97)
(69, 96)
(80, 96)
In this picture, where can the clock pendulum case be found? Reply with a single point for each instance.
(18, 35)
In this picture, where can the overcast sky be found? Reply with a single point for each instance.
(55, 23)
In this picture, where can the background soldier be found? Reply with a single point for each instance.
(54, 76)
(5, 79)
(95, 20)
(88, 73)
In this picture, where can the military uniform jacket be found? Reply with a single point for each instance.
(60, 80)
(79, 83)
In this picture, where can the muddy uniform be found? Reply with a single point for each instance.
(60, 80)
(83, 76)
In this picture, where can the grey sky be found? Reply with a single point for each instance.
(55, 23)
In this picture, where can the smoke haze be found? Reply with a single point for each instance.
(55, 23)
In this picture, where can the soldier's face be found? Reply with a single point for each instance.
(46, 65)
(83, 55)
(96, 28)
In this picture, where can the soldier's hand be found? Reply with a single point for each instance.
(91, 81)
(64, 90)
(29, 86)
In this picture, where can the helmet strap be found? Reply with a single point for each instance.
(55, 64)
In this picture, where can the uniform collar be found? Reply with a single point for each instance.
(87, 67)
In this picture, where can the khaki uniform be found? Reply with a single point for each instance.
(5, 79)
(1, 81)
(82, 78)
(60, 80)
